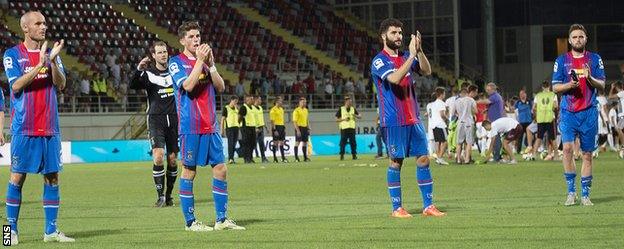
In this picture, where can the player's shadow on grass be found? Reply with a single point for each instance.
(607, 199)
(245, 222)
(95, 233)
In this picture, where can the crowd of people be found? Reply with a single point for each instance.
(500, 128)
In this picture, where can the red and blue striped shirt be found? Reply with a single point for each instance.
(584, 96)
(397, 102)
(196, 109)
(34, 109)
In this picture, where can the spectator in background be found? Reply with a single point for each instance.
(239, 90)
(255, 85)
(524, 115)
(265, 86)
(297, 87)
(290, 84)
(309, 84)
(110, 58)
(329, 90)
(360, 86)
(339, 87)
(349, 87)
(278, 87)
(495, 110)
(115, 69)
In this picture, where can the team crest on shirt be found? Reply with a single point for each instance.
(8, 62)
(173, 68)
(189, 155)
(378, 63)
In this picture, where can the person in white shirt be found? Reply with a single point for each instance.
(465, 108)
(603, 127)
(431, 144)
(437, 120)
(508, 129)
(617, 93)
(613, 135)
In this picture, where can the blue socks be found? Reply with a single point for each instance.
(394, 187)
(13, 202)
(570, 181)
(425, 183)
(586, 182)
(220, 196)
(51, 201)
(187, 200)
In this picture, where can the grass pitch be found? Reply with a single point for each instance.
(332, 204)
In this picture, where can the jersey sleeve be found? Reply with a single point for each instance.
(381, 67)
(177, 72)
(1, 100)
(559, 75)
(295, 117)
(12, 68)
(597, 67)
(59, 63)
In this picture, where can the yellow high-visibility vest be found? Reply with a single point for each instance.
(231, 120)
(250, 116)
(350, 115)
(259, 116)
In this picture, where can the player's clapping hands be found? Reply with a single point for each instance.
(58, 46)
(202, 52)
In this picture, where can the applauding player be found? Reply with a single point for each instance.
(392, 72)
(35, 74)
(196, 81)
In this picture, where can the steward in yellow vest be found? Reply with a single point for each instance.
(346, 116)
(230, 125)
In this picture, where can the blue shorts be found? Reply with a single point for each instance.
(33, 154)
(405, 141)
(582, 124)
(201, 149)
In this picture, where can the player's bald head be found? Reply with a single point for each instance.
(33, 25)
(28, 17)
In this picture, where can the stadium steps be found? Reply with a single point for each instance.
(69, 61)
(442, 72)
(321, 56)
(134, 128)
(162, 33)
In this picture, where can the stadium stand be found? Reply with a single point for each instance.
(322, 28)
(239, 43)
(91, 29)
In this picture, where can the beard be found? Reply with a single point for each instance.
(579, 49)
(392, 45)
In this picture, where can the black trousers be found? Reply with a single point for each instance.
(347, 134)
(248, 142)
(232, 138)
(260, 141)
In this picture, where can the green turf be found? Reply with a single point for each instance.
(324, 204)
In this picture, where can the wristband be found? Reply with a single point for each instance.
(212, 69)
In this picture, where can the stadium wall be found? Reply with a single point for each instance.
(98, 151)
(102, 126)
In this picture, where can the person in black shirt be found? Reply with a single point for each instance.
(162, 119)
